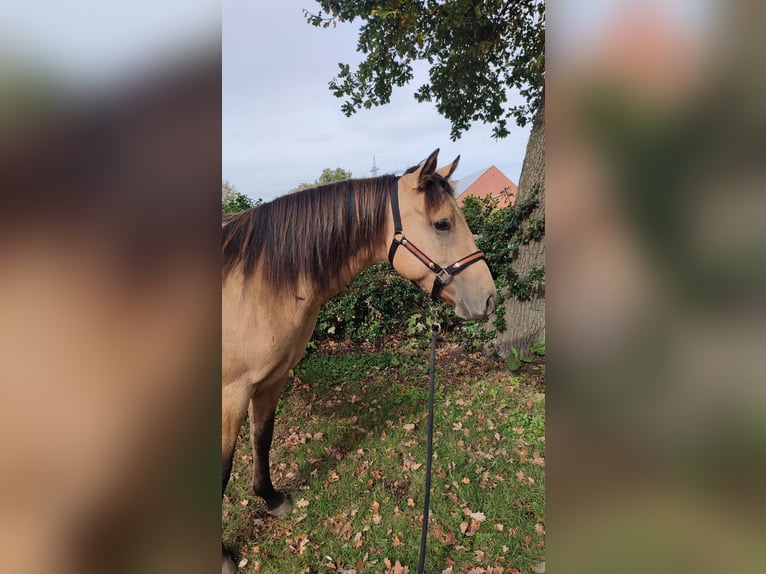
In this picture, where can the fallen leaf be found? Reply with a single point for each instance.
(527, 542)
(358, 540)
(302, 503)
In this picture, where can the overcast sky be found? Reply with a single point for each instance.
(282, 126)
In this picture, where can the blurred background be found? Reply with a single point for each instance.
(109, 296)
(655, 287)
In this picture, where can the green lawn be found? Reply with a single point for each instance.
(349, 447)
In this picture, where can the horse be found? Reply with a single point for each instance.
(284, 259)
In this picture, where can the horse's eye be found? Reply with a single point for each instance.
(442, 225)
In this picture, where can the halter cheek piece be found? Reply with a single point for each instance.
(444, 275)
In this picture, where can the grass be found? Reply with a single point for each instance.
(349, 447)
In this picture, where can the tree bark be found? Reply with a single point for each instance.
(525, 320)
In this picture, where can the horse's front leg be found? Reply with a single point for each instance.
(262, 409)
(233, 408)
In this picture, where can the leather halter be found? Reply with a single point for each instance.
(444, 275)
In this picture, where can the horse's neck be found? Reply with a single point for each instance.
(359, 263)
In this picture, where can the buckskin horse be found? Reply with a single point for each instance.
(284, 259)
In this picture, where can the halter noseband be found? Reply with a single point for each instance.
(444, 275)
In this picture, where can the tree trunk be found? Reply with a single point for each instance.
(525, 320)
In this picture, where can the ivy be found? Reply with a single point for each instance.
(529, 286)
(376, 304)
(501, 233)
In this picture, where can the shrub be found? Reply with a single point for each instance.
(376, 304)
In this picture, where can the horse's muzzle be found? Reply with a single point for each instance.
(478, 311)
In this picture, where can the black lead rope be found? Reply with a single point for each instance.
(435, 328)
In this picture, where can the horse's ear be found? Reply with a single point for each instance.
(428, 168)
(448, 170)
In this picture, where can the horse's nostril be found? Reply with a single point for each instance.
(490, 304)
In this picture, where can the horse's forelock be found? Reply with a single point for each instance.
(437, 189)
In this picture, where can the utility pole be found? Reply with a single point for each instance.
(374, 169)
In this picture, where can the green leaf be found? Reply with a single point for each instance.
(513, 362)
(476, 51)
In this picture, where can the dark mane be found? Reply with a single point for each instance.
(312, 234)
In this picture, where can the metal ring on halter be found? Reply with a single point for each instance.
(444, 276)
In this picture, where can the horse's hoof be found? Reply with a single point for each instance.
(227, 565)
(282, 509)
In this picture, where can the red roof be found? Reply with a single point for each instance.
(490, 182)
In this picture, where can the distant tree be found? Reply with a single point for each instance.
(328, 176)
(232, 201)
(228, 192)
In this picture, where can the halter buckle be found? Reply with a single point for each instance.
(444, 276)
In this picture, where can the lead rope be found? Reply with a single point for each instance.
(435, 329)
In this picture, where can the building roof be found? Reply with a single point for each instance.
(489, 182)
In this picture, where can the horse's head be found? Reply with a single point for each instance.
(433, 245)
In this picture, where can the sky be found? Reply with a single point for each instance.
(282, 126)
